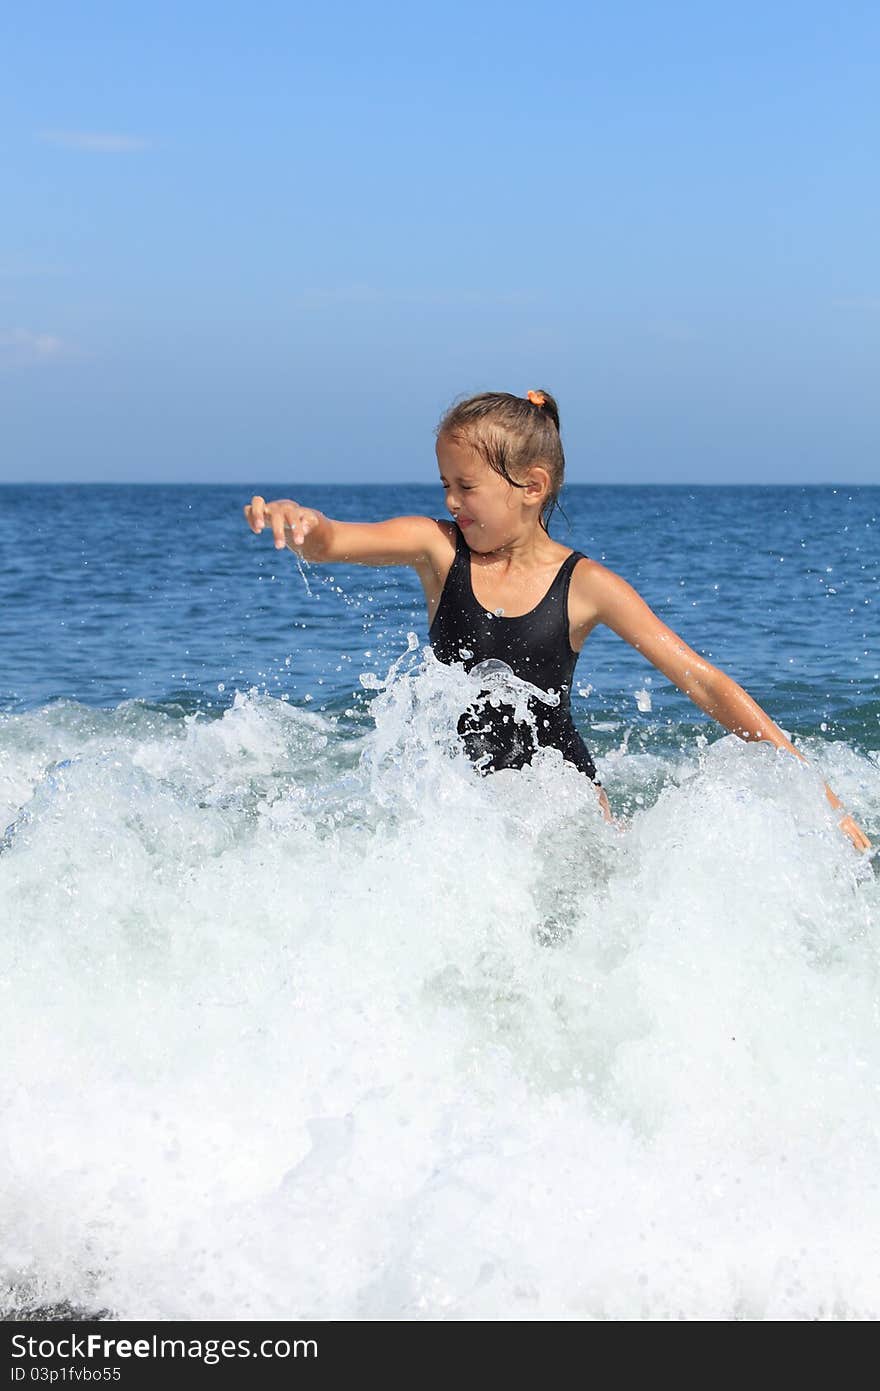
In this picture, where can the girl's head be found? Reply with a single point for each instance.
(516, 436)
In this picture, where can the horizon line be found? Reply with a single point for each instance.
(597, 483)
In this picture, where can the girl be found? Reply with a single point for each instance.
(499, 589)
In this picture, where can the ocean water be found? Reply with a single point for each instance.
(300, 1017)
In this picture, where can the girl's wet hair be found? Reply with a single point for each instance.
(512, 433)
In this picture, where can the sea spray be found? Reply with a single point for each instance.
(306, 1020)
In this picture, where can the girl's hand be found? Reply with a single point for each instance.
(284, 516)
(856, 834)
(847, 825)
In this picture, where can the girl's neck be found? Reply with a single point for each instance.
(527, 552)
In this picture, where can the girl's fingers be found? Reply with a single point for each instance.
(254, 513)
(283, 517)
(292, 524)
(855, 833)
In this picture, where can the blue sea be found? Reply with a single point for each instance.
(301, 1017)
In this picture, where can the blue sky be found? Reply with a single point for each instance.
(274, 242)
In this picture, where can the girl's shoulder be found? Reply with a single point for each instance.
(446, 541)
(591, 582)
(588, 573)
(448, 529)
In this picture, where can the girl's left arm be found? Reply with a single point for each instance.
(603, 597)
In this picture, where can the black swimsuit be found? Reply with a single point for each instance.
(536, 648)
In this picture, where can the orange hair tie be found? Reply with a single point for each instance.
(537, 398)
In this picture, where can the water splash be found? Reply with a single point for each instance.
(297, 1023)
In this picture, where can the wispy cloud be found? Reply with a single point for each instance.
(95, 142)
(373, 294)
(869, 304)
(19, 265)
(671, 332)
(343, 294)
(22, 347)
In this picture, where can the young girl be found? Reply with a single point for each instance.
(500, 589)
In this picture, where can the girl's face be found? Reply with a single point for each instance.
(488, 510)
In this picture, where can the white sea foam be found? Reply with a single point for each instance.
(296, 1024)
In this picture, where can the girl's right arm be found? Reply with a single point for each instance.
(416, 541)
